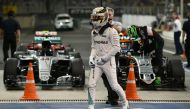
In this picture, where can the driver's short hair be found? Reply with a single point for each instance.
(110, 10)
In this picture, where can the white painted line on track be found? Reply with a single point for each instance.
(168, 51)
(168, 38)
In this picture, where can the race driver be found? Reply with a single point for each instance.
(150, 41)
(105, 45)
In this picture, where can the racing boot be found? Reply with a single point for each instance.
(90, 106)
(113, 103)
(125, 105)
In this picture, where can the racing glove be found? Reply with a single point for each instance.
(112, 53)
(100, 61)
(92, 58)
(91, 62)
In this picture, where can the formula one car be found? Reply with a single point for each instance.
(148, 74)
(54, 63)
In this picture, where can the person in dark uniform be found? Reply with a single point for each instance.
(10, 31)
(150, 41)
(186, 32)
(177, 33)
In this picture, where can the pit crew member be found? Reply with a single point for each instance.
(186, 33)
(10, 31)
(150, 41)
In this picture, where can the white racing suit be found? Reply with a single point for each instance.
(104, 46)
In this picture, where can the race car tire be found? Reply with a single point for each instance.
(78, 72)
(175, 70)
(10, 73)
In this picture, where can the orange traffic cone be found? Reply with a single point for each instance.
(131, 92)
(30, 87)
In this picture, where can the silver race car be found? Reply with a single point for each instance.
(54, 63)
(148, 75)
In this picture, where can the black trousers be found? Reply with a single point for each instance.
(112, 95)
(159, 41)
(157, 45)
(178, 47)
(187, 50)
(9, 43)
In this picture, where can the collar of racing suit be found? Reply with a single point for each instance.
(104, 28)
(100, 30)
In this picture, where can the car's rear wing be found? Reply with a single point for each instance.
(51, 36)
(125, 39)
(52, 39)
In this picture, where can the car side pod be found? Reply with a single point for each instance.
(131, 91)
(30, 87)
